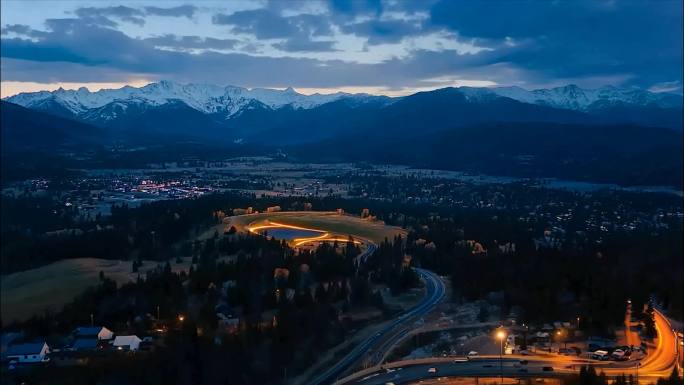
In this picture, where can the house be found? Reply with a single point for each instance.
(131, 342)
(85, 344)
(273, 209)
(28, 353)
(98, 332)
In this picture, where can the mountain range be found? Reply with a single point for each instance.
(240, 114)
(628, 136)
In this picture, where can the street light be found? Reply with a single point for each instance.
(559, 333)
(501, 335)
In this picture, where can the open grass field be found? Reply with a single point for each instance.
(322, 220)
(52, 286)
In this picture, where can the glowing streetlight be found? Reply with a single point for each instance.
(181, 317)
(560, 334)
(501, 336)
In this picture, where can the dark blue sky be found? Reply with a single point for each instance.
(391, 47)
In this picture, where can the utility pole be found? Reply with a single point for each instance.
(637, 372)
(501, 360)
(92, 323)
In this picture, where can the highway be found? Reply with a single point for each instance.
(485, 367)
(434, 293)
(658, 363)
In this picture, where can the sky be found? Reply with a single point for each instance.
(391, 47)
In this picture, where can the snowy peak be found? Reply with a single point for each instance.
(230, 101)
(575, 98)
(206, 98)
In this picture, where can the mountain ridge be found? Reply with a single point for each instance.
(230, 100)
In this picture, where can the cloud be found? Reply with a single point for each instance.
(262, 23)
(106, 16)
(179, 11)
(378, 32)
(578, 38)
(393, 45)
(305, 45)
(673, 86)
(296, 32)
(268, 24)
(191, 42)
(355, 8)
(103, 15)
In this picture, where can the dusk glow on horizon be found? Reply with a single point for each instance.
(376, 47)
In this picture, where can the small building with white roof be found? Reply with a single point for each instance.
(131, 342)
(99, 332)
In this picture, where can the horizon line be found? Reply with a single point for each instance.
(18, 87)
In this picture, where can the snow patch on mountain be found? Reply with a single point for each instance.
(202, 97)
(231, 101)
(573, 97)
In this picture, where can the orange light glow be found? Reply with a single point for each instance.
(324, 237)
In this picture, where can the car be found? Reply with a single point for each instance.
(432, 370)
(548, 368)
(472, 353)
(525, 353)
(523, 362)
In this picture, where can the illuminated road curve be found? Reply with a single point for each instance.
(434, 294)
(658, 363)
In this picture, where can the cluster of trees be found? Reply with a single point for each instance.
(286, 319)
(588, 376)
(589, 276)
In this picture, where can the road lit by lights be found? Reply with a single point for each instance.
(324, 237)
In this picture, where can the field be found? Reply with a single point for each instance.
(52, 286)
(375, 231)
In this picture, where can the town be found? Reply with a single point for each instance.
(120, 317)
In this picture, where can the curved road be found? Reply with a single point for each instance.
(658, 363)
(435, 293)
(488, 367)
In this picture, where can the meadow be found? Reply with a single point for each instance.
(50, 287)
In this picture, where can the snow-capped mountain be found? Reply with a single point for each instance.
(108, 104)
(572, 97)
(209, 99)
(234, 112)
